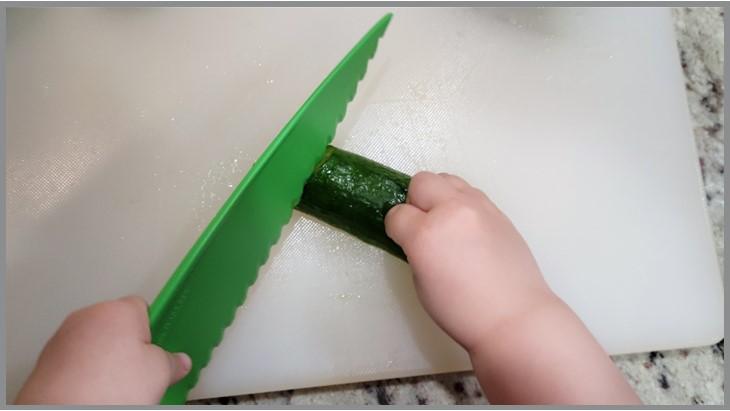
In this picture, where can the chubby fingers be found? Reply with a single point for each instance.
(402, 221)
(425, 192)
(456, 181)
(427, 189)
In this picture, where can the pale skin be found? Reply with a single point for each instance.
(474, 275)
(477, 278)
(102, 355)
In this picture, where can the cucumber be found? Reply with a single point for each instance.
(354, 193)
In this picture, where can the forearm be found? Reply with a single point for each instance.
(547, 355)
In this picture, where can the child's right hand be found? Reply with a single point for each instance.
(478, 279)
(473, 271)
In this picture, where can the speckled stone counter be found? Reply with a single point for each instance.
(693, 376)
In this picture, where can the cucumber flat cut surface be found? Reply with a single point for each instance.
(354, 194)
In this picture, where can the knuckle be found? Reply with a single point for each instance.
(127, 308)
(121, 307)
(419, 180)
(90, 315)
(126, 315)
(482, 198)
(134, 302)
(475, 192)
(75, 316)
(108, 310)
(462, 213)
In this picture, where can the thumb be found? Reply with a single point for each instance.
(180, 365)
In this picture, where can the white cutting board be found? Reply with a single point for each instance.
(127, 128)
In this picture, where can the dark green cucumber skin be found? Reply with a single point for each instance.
(354, 194)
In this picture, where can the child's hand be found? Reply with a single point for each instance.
(473, 270)
(102, 355)
(478, 279)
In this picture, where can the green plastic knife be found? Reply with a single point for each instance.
(201, 297)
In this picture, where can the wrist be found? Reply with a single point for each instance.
(539, 306)
(546, 355)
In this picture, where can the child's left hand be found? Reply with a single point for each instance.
(102, 355)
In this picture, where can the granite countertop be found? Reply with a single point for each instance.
(691, 376)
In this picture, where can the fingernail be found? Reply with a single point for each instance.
(184, 360)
